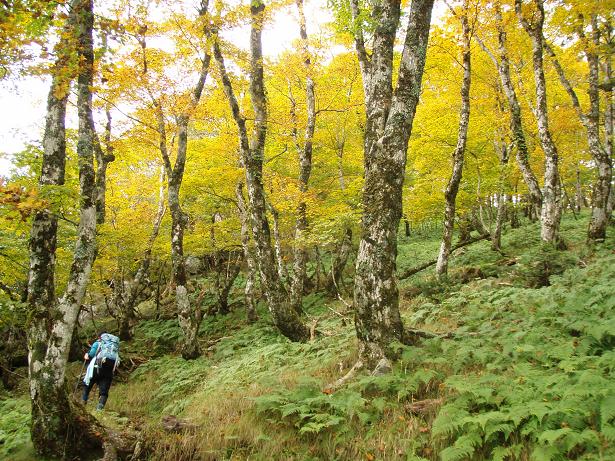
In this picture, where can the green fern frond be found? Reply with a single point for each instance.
(607, 410)
(464, 448)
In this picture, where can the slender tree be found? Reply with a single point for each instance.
(252, 152)
(551, 207)
(516, 123)
(450, 194)
(304, 151)
(503, 152)
(591, 122)
(189, 317)
(128, 294)
(248, 254)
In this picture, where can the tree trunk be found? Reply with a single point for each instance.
(284, 316)
(225, 278)
(602, 186)
(102, 162)
(132, 291)
(516, 124)
(551, 209)
(248, 255)
(189, 317)
(58, 428)
(512, 209)
(591, 121)
(388, 126)
(502, 201)
(277, 241)
(578, 192)
(609, 124)
(41, 298)
(336, 277)
(452, 188)
(297, 285)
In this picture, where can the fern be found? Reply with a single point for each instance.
(464, 448)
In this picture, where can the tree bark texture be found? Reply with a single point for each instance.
(516, 123)
(252, 151)
(277, 243)
(502, 201)
(502, 149)
(551, 208)
(226, 273)
(390, 114)
(189, 317)
(57, 428)
(450, 194)
(297, 283)
(591, 121)
(248, 254)
(609, 125)
(336, 276)
(102, 162)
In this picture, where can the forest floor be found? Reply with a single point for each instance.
(523, 369)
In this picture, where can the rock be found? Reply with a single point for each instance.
(171, 423)
(382, 368)
(193, 265)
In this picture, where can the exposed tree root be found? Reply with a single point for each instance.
(313, 328)
(359, 365)
(90, 435)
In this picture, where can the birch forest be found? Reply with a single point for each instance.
(319, 230)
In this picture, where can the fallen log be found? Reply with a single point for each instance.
(410, 272)
(422, 407)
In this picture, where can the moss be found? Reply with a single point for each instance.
(15, 441)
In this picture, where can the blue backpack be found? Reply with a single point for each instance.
(108, 349)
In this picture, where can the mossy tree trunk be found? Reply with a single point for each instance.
(252, 151)
(390, 114)
(248, 254)
(335, 279)
(609, 125)
(189, 317)
(58, 427)
(591, 121)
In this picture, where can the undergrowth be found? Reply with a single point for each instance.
(525, 374)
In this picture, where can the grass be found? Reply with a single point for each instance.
(528, 374)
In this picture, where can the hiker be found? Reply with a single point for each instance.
(104, 358)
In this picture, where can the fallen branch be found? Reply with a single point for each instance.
(415, 270)
(412, 336)
(211, 344)
(338, 313)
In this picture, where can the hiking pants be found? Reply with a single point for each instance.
(103, 376)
